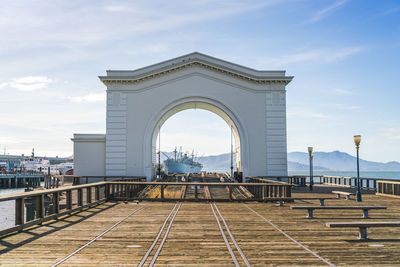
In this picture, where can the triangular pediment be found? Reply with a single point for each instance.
(200, 60)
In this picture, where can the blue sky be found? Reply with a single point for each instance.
(344, 55)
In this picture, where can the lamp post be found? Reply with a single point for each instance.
(310, 153)
(357, 140)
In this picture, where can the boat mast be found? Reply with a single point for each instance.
(175, 153)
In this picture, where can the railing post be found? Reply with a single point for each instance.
(162, 192)
(56, 202)
(97, 193)
(196, 193)
(19, 211)
(88, 195)
(69, 199)
(127, 190)
(40, 206)
(263, 192)
(80, 197)
(230, 192)
(107, 191)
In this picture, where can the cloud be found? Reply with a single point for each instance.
(28, 83)
(391, 133)
(90, 98)
(36, 25)
(322, 55)
(306, 113)
(339, 91)
(390, 11)
(345, 107)
(4, 84)
(323, 13)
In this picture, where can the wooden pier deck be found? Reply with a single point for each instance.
(267, 235)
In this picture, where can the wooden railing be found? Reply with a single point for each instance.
(39, 206)
(298, 180)
(20, 180)
(259, 191)
(303, 180)
(270, 188)
(92, 179)
(365, 183)
(389, 188)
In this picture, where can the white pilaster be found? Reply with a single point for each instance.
(116, 134)
(276, 142)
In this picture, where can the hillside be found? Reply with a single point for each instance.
(298, 161)
(341, 161)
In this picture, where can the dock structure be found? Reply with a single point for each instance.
(20, 180)
(98, 225)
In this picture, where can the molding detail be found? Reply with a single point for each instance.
(196, 60)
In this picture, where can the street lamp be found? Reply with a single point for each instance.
(310, 153)
(357, 140)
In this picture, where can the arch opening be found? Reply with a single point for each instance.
(220, 111)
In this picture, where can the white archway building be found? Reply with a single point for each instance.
(252, 102)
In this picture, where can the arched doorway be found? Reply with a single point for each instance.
(195, 103)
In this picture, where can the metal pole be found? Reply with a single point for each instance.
(231, 154)
(311, 174)
(159, 152)
(358, 193)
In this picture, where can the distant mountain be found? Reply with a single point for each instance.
(341, 161)
(299, 161)
(295, 166)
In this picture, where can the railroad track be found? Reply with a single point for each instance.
(97, 237)
(169, 220)
(289, 236)
(183, 192)
(219, 218)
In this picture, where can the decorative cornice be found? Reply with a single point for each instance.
(89, 138)
(259, 79)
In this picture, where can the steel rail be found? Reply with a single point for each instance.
(144, 259)
(290, 237)
(153, 260)
(246, 261)
(235, 261)
(97, 237)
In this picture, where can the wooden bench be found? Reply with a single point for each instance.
(363, 226)
(347, 194)
(312, 208)
(289, 199)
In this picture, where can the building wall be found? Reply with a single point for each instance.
(139, 101)
(259, 107)
(89, 156)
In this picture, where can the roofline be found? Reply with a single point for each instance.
(191, 54)
(203, 61)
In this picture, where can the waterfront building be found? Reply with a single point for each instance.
(252, 102)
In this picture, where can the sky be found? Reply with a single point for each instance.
(344, 55)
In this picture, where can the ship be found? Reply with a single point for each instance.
(182, 163)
